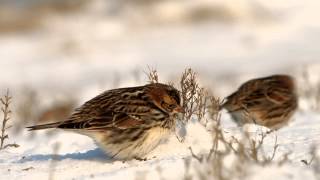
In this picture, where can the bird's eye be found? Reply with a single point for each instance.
(171, 106)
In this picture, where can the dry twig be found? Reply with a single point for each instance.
(152, 75)
(6, 101)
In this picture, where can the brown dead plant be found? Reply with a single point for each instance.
(6, 101)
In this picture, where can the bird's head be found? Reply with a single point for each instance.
(165, 97)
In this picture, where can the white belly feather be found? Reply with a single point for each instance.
(129, 150)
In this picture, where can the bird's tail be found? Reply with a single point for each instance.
(44, 126)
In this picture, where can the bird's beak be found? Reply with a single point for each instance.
(178, 109)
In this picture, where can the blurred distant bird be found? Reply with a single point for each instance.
(268, 101)
(128, 122)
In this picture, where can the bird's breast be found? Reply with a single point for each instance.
(156, 135)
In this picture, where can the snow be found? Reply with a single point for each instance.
(85, 53)
(79, 158)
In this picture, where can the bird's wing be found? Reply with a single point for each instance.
(266, 97)
(120, 116)
(277, 95)
(107, 121)
(106, 111)
(122, 109)
(254, 100)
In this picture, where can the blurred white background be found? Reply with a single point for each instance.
(87, 46)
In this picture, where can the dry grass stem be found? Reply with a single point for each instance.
(152, 75)
(189, 87)
(54, 160)
(6, 101)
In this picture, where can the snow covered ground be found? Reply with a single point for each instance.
(79, 158)
(85, 53)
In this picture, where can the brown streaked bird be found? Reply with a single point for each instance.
(269, 101)
(127, 123)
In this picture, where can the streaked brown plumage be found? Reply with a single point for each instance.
(127, 122)
(268, 101)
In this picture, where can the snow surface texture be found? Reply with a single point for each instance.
(79, 158)
(85, 53)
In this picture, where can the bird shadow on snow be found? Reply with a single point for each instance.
(94, 155)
